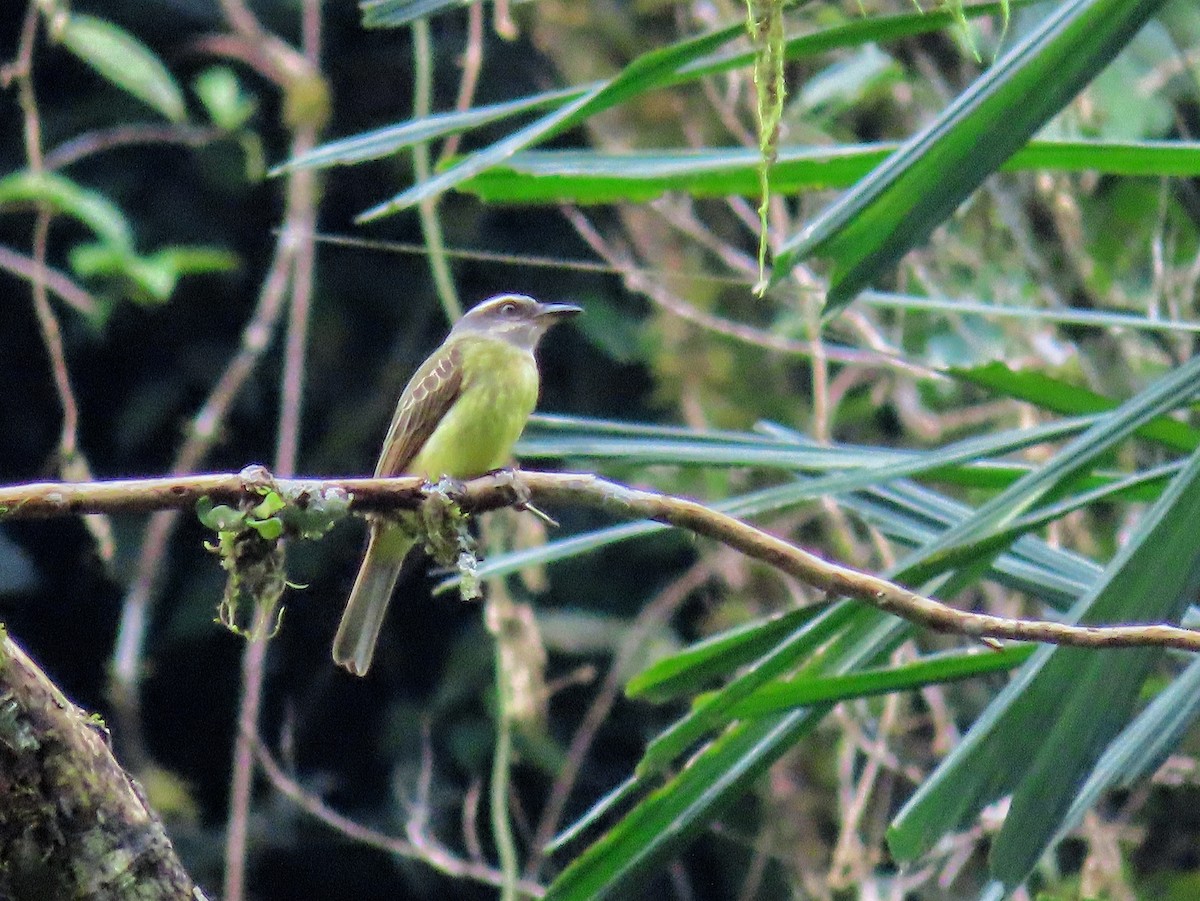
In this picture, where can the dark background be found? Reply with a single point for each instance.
(142, 372)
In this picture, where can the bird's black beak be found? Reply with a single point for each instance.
(556, 311)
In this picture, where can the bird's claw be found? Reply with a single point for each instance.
(449, 486)
(522, 496)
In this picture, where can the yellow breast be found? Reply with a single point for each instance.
(477, 434)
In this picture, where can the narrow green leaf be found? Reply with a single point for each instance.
(125, 61)
(640, 838)
(1143, 745)
(783, 496)
(934, 669)
(666, 820)
(593, 814)
(649, 71)
(144, 279)
(1045, 731)
(713, 779)
(1053, 394)
(914, 515)
(896, 207)
(196, 259)
(716, 657)
(151, 278)
(713, 712)
(1172, 390)
(384, 142)
(591, 177)
(68, 198)
(1152, 579)
(394, 13)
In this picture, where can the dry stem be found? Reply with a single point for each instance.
(582, 489)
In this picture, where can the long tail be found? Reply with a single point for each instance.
(354, 644)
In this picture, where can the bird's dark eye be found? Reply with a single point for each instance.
(508, 309)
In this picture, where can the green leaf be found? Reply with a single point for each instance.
(896, 207)
(271, 504)
(147, 279)
(716, 709)
(667, 819)
(1170, 391)
(68, 198)
(221, 93)
(1045, 731)
(270, 529)
(219, 518)
(716, 656)
(196, 260)
(659, 824)
(650, 70)
(1052, 394)
(1143, 745)
(394, 13)
(934, 669)
(849, 467)
(385, 141)
(125, 61)
(589, 177)
(713, 779)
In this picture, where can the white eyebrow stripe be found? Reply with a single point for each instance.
(500, 299)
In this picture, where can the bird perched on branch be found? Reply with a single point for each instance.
(459, 416)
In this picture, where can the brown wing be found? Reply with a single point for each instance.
(430, 392)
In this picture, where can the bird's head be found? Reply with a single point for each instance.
(515, 318)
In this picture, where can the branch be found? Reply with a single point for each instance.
(27, 268)
(514, 488)
(74, 825)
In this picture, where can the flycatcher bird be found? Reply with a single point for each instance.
(460, 416)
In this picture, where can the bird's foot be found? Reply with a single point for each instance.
(522, 498)
(448, 486)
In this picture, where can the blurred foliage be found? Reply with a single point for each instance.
(987, 213)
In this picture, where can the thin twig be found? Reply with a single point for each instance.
(508, 488)
(241, 781)
(302, 220)
(21, 71)
(417, 822)
(651, 617)
(66, 290)
(141, 133)
(72, 464)
(68, 442)
(431, 225)
(202, 435)
(637, 280)
(241, 19)
(470, 820)
(472, 63)
(680, 214)
(428, 851)
(502, 834)
(301, 217)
